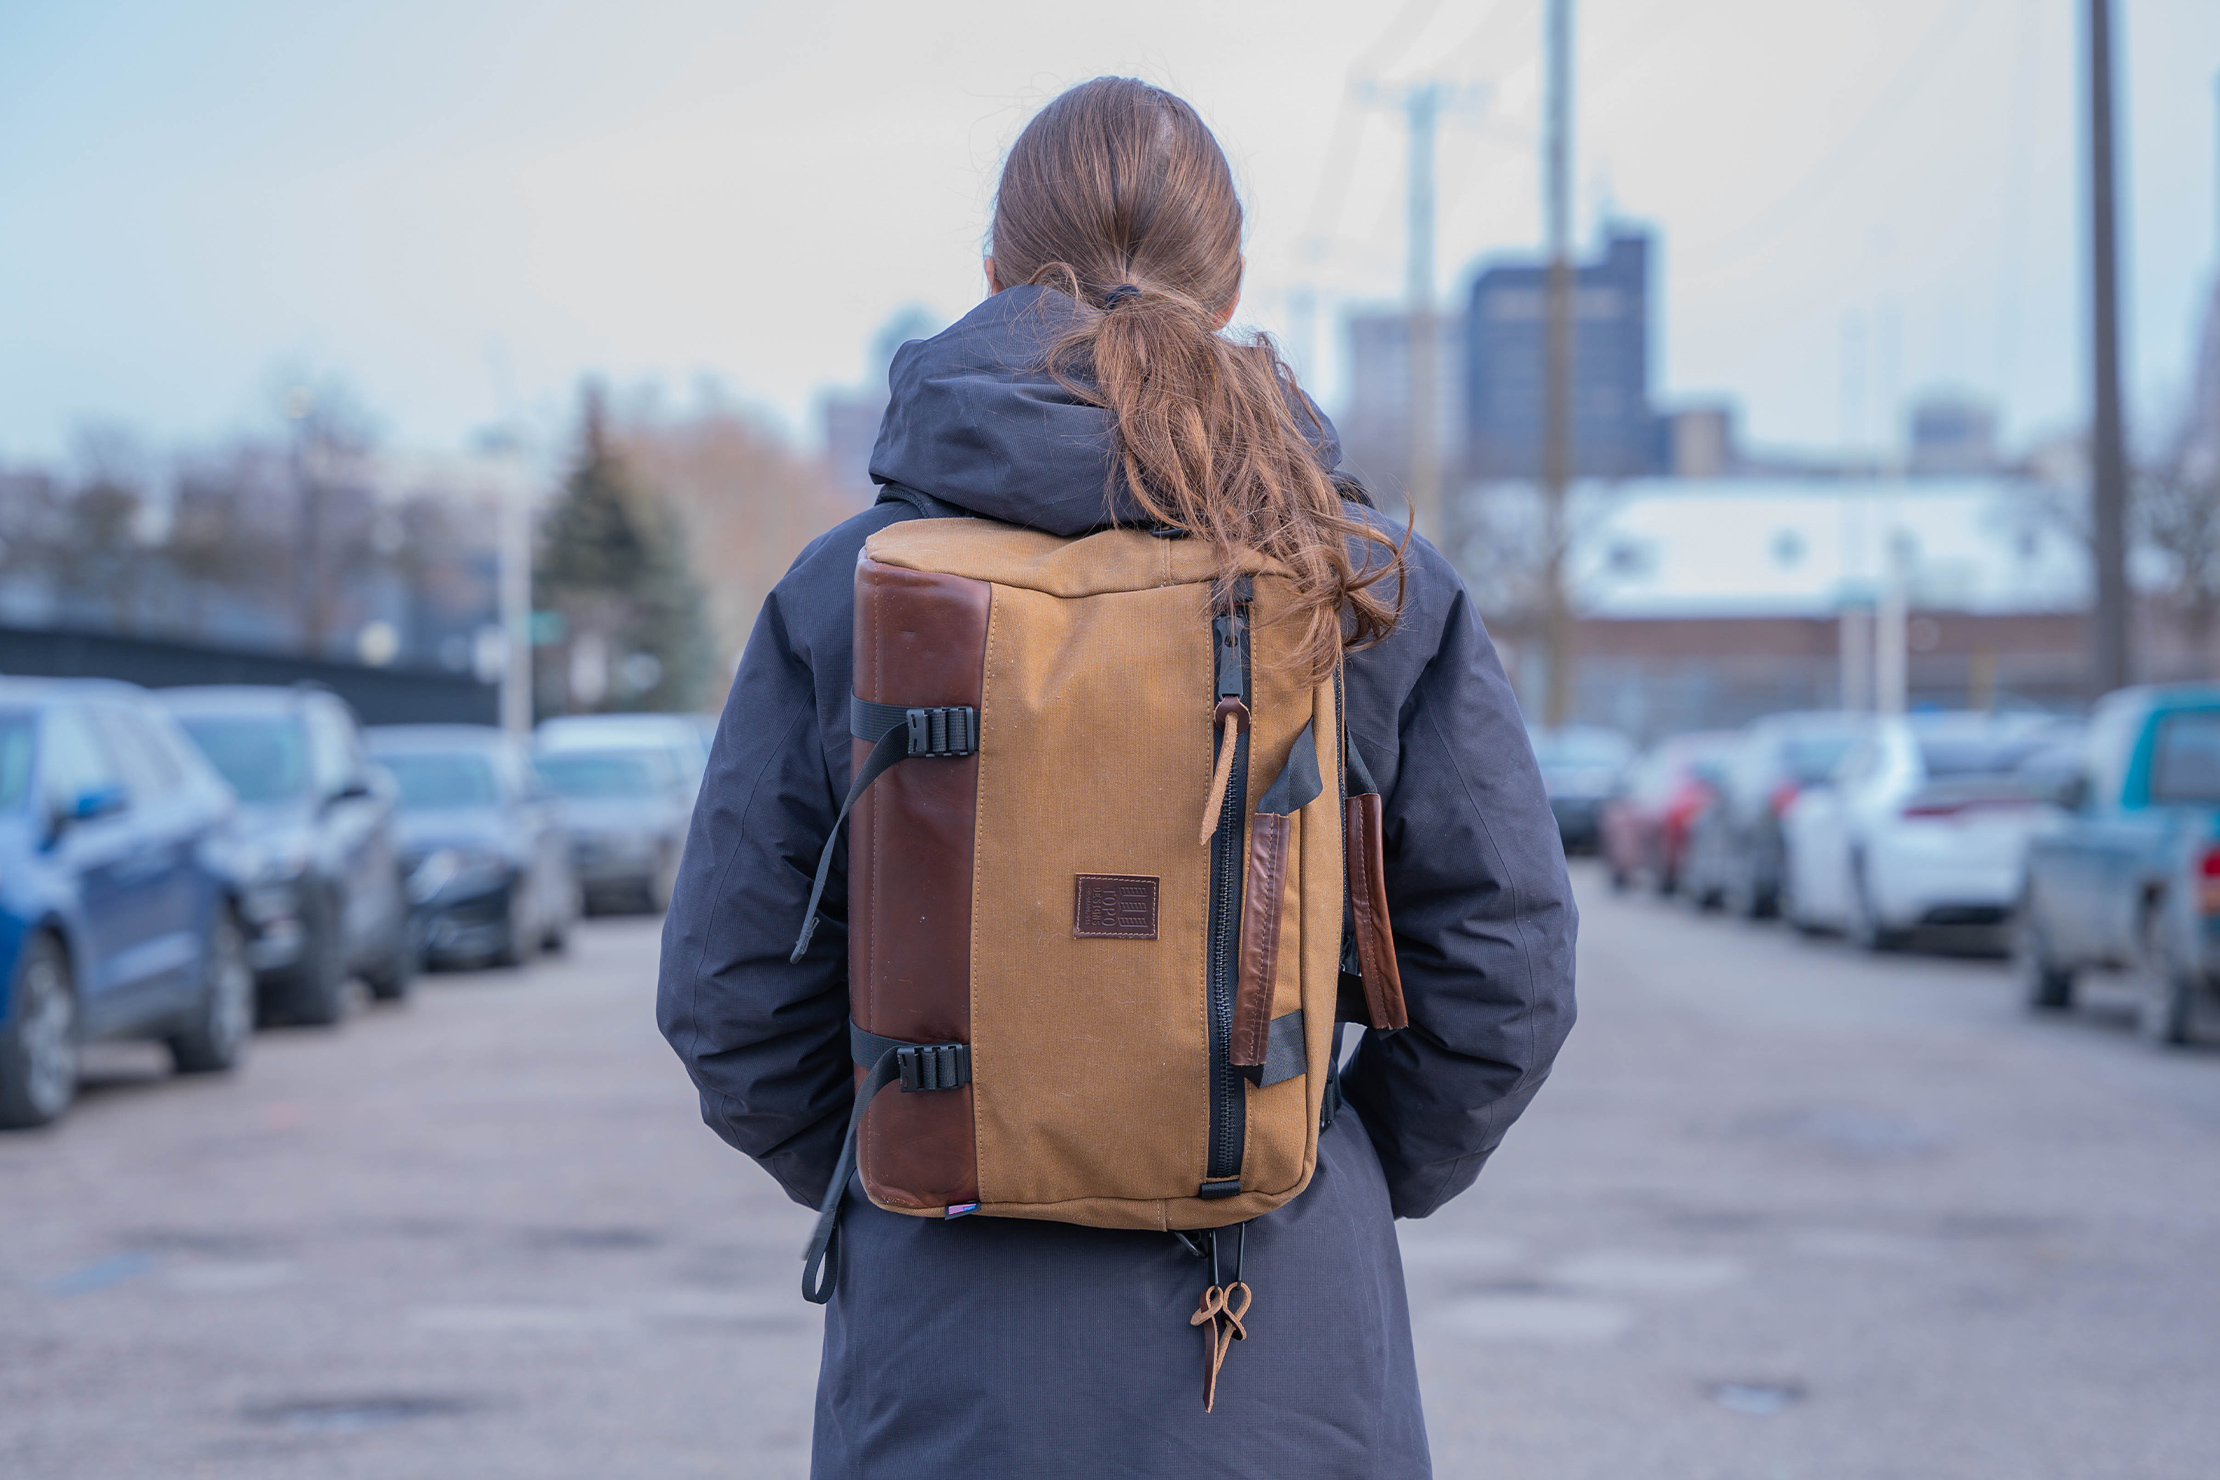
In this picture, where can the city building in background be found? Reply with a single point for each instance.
(1701, 441)
(1952, 435)
(1375, 422)
(1615, 429)
(1490, 384)
(1707, 602)
(849, 416)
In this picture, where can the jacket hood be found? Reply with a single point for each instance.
(975, 419)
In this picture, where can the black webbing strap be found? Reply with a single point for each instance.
(948, 731)
(945, 1065)
(1330, 1103)
(1284, 1055)
(1360, 775)
(1298, 783)
(897, 733)
(920, 1066)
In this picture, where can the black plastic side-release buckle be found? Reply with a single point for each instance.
(944, 731)
(934, 1066)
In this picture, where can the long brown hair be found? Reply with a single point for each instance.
(1119, 186)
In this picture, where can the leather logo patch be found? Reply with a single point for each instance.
(1114, 907)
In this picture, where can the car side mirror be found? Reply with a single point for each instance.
(2073, 793)
(350, 790)
(98, 801)
(91, 803)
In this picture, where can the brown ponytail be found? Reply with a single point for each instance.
(1116, 183)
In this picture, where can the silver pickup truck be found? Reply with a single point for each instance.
(2131, 881)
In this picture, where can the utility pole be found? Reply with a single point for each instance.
(1557, 621)
(1891, 660)
(515, 561)
(308, 523)
(1422, 103)
(1422, 115)
(2107, 439)
(512, 548)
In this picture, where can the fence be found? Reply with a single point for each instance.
(382, 696)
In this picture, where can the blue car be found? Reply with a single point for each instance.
(320, 866)
(488, 864)
(2130, 882)
(118, 914)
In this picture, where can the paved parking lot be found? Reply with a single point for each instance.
(1786, 1211)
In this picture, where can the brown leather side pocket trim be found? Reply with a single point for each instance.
(1260, 941)
(1383, 980)
(920, 638)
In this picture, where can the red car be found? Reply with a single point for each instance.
(1645, 826)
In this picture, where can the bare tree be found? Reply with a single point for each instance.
(434, 548)
(226, 538)
(99, 544)
(750, 502)
(2177, 515)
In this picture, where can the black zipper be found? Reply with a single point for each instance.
(1228, 1106)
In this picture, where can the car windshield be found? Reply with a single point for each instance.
(434, 779)
(1568, 750)
(604, 773)
(1812, 757)
(2185, 761)
(18, 740)
(263, 756)
(1946, 756)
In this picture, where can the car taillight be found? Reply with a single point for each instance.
(2208, 882)
(1783, 794)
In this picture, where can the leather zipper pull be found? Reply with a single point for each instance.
(1231, 716)
(1227, 630)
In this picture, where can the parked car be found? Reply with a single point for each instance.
(626, 809)
(322, 897)
(685, 736)
(1925, 823)
(1581, 766)
(488, 864)
(118, 915)
(1645, 825)
(2131, 880)
(1734, 845)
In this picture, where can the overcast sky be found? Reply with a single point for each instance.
(462, 206)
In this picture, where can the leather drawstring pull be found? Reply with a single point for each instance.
(1232, 715)
(1223, 1306)
(1222, 1309)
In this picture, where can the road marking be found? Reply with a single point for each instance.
(108, 1272)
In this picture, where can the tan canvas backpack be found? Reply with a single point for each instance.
(1105, 866)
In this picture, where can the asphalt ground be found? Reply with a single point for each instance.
(1785, 1211)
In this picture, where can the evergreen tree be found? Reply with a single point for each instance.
(612, 561)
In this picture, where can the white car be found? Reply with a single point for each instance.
(684, 736)
(1925, 823)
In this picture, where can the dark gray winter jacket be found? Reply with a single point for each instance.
(992, 1347)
